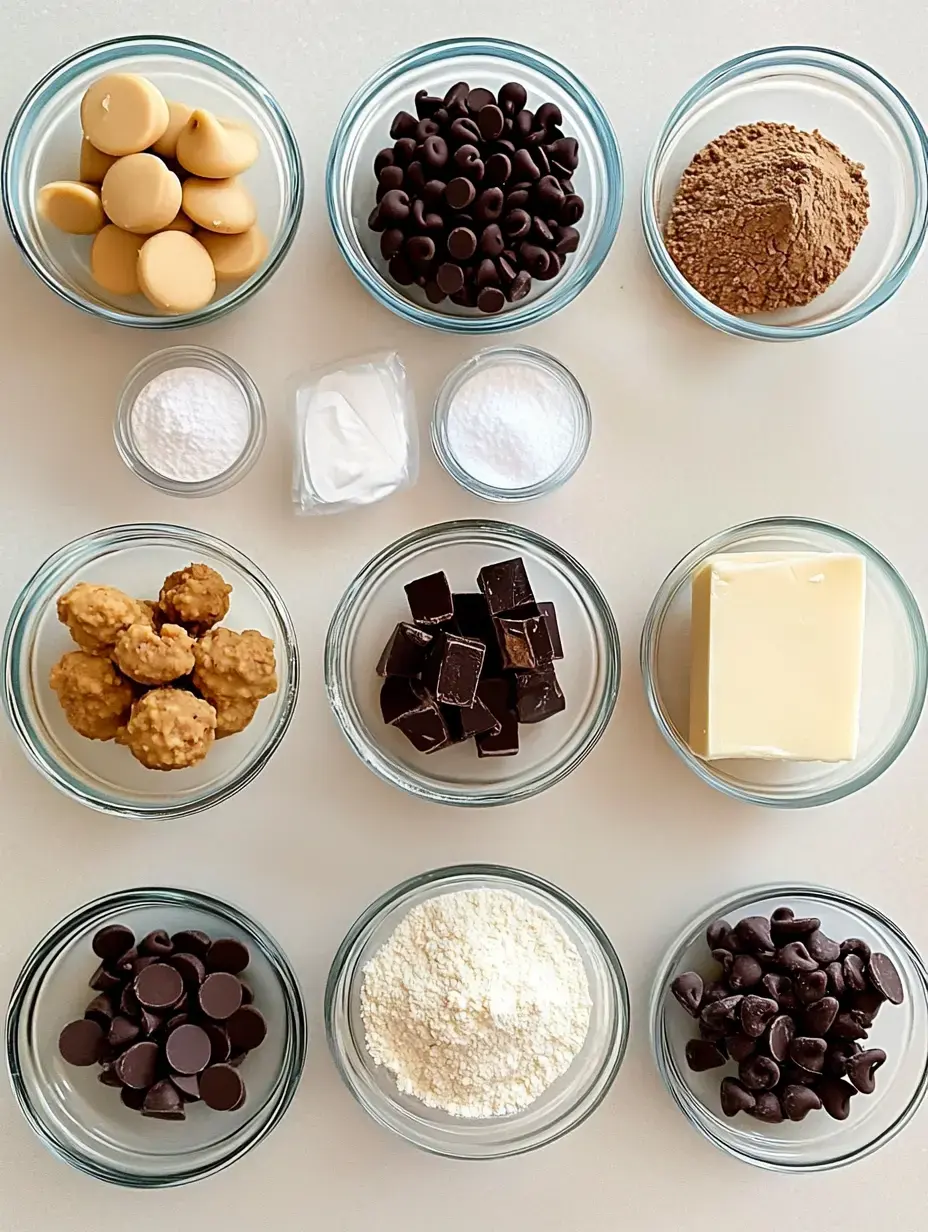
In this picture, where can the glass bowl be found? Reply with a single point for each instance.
(104, 776)
(818, 1143)
(853, 106)
(44, 141)
(562, 1107)
(85, 1123)
(375, 602)
(895, 669)
(190, 357)
(365, 128)
(530, 357)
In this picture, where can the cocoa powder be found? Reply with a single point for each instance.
(766, 216)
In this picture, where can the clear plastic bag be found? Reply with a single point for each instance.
(356, 435)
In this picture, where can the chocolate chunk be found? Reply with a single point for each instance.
(467, 721)
(220, 995)
(836, 1097)
(506, 587)
(453, 669)
(81, 1042)
(137, 1066)
(799, 1101)
(547, 610)
(779, 1037)
(496, 696)
(192, 941)
(538, 695)
(163, 1102)
(408, 706)
(472, 618)
(735, 1098)
(429, 597)
(247, 1028)
(862, 1067)
(524, 643)
(112, 941)
(885, 978)
(702, 1055)
(405, 652)
(188, 1049)
(158, 987)
(688, 988)
(221, 1087)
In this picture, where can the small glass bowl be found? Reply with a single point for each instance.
(375, 602)
(44, 142)
(190, 357)
(818, 1143)
(853, 106)
(531, 358)
(103, 776)
(85, 1123)
(895, 669)
(365, 128)
(566, 1104)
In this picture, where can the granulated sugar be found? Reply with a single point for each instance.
(477, 1003)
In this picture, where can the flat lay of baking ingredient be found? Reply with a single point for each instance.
(151, 171)
(472, 664)
(190, 424)
(792, 625)
(766, 217)
(203, 681)
(477, 1003)
(792, 1009)
(171, 1021)
(356, 436)
(475, 197)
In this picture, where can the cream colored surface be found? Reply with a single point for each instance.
(141, 194)
(71, 206)
(123, 113)
(693, 431)
(777, 649)
(210, 147)
(175, 272)
(225, 206)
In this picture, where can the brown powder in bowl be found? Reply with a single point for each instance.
(766, 217)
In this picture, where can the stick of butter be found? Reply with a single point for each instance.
(777, 655)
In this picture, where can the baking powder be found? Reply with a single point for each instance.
(511, 424)
(190, 424)
(477, 1003)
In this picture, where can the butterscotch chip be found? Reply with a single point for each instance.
(140, 194)
(94, 163)
(178, 115)
(114, 260)
(215, 149)
(235, 256)
(71, 206)
(225, 206)
(176, 272)
(123, 113)
(181, 223)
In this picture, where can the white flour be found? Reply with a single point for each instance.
(190, 424)
(477, 1003)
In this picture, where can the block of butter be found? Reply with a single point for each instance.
(776, 656)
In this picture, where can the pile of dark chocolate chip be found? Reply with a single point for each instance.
(475, 198)
(472, 664)
(791, 1008)
(171, 1022)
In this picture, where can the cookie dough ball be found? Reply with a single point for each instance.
(219, 205)
(215, 149)
(178, 115)
(235, 257)
(176, 273)
(235, 666)
(153, 658)
(94, 164)
(196, 597)
(123, 113)
(141, 194)
(96, 615)
(71, 206)
(233, 714)
(95, 698)
(114, 260)
(170, 729)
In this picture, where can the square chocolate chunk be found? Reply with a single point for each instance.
(467, 721)
(453, 669)
(506, 587)
(430, 599)
(538, 695)
(405, 653)
(406, 704)
(505, 742)
(554, 632)
(524, 644)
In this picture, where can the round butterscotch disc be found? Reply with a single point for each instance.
(215, 149)
(123, 113)
(94, 163)
(225, 206)
(178, 115)
(71, 206)
(114, 259)
(140, 194)
(176, 272)
(235, 257)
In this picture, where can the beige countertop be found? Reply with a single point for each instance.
(694, 431)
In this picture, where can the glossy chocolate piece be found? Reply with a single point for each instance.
(496, 694)
(547, 610)
(506, 587)
(430, 599)
(453, 669)
(467, 721)
(524, 643)
(538, 695)
(405, 653)
(408, 706)
(472, 619)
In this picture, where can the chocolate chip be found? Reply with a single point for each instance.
(457, 94)
(491, 299)
(849, 1025)
(163, 1102)
(790, 928)
(103, 980)
(450, 278)
(745, 972)
(568, 240)
(424, 129)
(862, 1067)
(221, 1087)
(754, 934)
(247, 1029)
(133, 1098)
(149, 1023)
(810, 986)
(404, 125)
(112, 941)
(511, 97)
(571, 210)
(427, 104)
(188, 1085)
(517, 224)
(854, 945)
(188, 1049)
(390, 178)
(435, 153)
(192, 941)
(884, 977)
(108, 1076)
(867, 1003)
(822, 948)
(799, 1101)
(767, 1108)
(462, 244)
(808, 1053)
(781, 989)
(159, 986)
(740, 1047)
(101, 1009)
(735, 1097)
(688, 988)
(401, 271)
(836, 1097)
(81, 1042)
(384, 158)
(819, 1017)
(520, 287)
(395, 206)
(719, 936)
(219, 1041)
(756, 1014)
(391, 242)
(702, 1055)
(836, 982)
(220, 995)
(498, 168)
(855, 976)
(489, 205)
(779, 1037)
(122, 1032)
(548, 116)
(795, 958)
(421, 249)
(759, 1073)
(490, 121)
(138, 1065)
(551, 269)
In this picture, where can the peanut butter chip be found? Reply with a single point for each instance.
(123, 113)
(225, 206)
(175, 272)
(94, 163)
(114, 260)
(178, 115)
(180, 223)
(235, 257)
(215, 149)
(140, 194)
(71, 206)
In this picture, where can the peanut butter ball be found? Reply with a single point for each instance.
(151, 657)
(96, 615)
(95, 698)
(235, 666)
(196, 597)
(170, 729)
(233, 714)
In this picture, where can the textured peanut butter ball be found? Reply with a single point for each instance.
(96, 615)
(95, 698)
(170, 729)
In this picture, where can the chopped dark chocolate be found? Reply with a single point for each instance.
(407, 705)
(430, 599)
(538, 695)
(467, 721)
(524, 644)
(472, 619)
(453, 669)
(506, 587)
(554, 632)
(505, 742)
(405, 653)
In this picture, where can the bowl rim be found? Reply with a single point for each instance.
(444, 880)
(369, 577)
(461, 374)
(677, 578)
(807, 56)
(726, 906)
(563, 291)
(66, 932)
(73, 555)
(100, 55)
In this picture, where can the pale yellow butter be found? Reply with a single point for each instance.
(776, 656)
